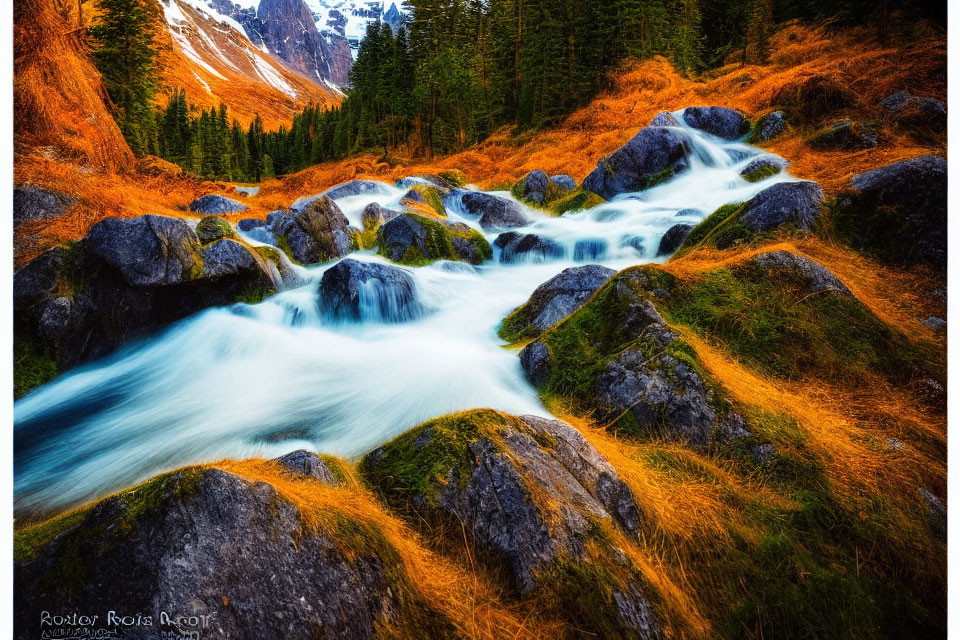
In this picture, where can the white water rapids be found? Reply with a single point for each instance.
(265, 379)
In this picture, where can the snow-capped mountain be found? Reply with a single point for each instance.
(319, 38)
(211, 56)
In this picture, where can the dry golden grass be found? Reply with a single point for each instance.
(58, 97)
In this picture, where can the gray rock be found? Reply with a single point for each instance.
(565, 182)
(54, 318)
(230, 258)
(816, 276)
(430, 238)
(722, 122)
(533, 186)
(32, 203)
(216, 205)
(654, 155)
(148, 250)
(249, 224)
(35, 280)
(916, 111)
(673, 238)
(215, 545)
(356, 188)
(935, 324)
(799, 203)
(557, 298)
(527, 247)
(374, 215)
(309, 464)
(495, 212)
(845, 135)
(354, 290)
(690, 212)
(916, 189)
(535, 360)
(213, 228)
(936, 514)
(770, 126)
(318, 233)
(764, 453)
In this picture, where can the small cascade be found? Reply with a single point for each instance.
(343, 365)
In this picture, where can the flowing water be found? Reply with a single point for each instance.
(265, 379)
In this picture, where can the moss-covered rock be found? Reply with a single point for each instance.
(415, 240)
(783, 206)
(845, 135)
(576, 200)
(427, 194)
(535, 498)
(213, 228)
(189, 537)
(615, 360)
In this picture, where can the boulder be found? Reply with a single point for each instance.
(898, 212)
(31, 203)
(413, 239)
(915, 112)
(309, 465)
(565, 182)
(845, 135)
(148, 250)
(495, 212)
(426, 199)
(249, 224)
(357, 188)
(354, 290)
(769, 126)
(213, 228)
(673, 238)
(317, 233)
(935, 324)
(234, 558)
(653, 156)
(527, 491)
(532, 186)
(372, 219)
(763, 167)
(127, 278)
(615, 359)
(554, 300)
(230, 258)
(815, 276)
(527, 247)
(722, 122)
(799, 203)
(216, 205)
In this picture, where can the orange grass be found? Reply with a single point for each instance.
(472, 605)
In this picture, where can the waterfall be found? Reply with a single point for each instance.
(265, 379)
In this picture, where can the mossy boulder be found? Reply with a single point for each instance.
(845, 135)
(768, 127)
(213, 228)
(534, 498)
(317, 233)
(762, 167)
(205, 542)
(541, 190)
(429, 195)
(553, 300)
(616, 360)
(416, 240)
(372, 219)
(574, 200)
(897, 213)
(786, 205)
(651, 157)
(127, 278)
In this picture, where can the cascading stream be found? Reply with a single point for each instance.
(265, 379)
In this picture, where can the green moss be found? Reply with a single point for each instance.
(252, 295)
(28, 541)
(439, 243)
(432, 196)
(338, 467)
(455, 177)
(763, 172)
(268, 253)
(720, 229)
(213, 228)
(35, 363)
(577, 200)
(284, 245)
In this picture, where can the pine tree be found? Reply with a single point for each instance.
(124, 53)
